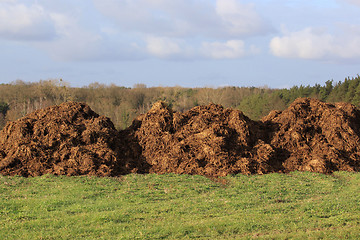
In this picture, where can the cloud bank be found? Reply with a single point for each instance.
(136, 29)
(318, 43)
(113, 30)
(25, 23)
(177, 18)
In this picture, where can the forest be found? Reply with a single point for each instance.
(122, 104)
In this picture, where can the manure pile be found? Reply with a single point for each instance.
(71, 139)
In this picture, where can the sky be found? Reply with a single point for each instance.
(188, 43)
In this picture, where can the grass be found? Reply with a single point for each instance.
(300, 205)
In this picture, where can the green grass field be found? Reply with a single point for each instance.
(274, 206)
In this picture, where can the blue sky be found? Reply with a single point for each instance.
(189, 43)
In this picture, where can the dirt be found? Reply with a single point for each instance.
(71, 139)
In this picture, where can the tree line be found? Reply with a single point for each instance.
(123, 104)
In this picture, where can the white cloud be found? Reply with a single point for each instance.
(224, 50)
(135, 15)
(168, 48)
(311, 43)
(308, 43)
(240, 19)
(76, 43)
(132, 29)
(354, 2)
(186, 29)
(60, 34)
(178, 18)
(162, 47)
(21, 22)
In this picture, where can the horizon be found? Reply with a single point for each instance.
(61, 83)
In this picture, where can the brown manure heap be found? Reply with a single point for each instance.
(206, 140)
(70, 139)
(317, 136)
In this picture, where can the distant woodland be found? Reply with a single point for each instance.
(123, 104)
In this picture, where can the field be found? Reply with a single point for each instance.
(298, 205)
